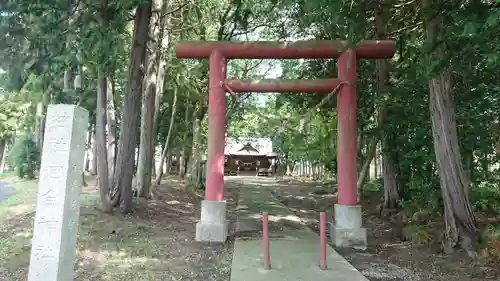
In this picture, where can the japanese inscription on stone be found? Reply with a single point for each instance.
(57, 211)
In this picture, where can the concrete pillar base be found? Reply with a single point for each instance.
(213, 226)
(347, 231)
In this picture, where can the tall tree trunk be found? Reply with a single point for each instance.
(166, 148)
(392, 186)
(3, 148)
(182, 160)
(145, 161)
(39, 124)
(103, 174)
(125, 160)
(3, 165)
(168, 162)
(289, 170)
(195, 159)
(93, 171)
(162, 42)
(111, 123)
(88, 146)
(103, 177)
(157, 163)
(392, 192)
(365, 169)
(461, 227)
(151, 100)
(153, 164)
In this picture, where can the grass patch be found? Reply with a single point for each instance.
(16, 222)
(7, 174)
(24, 196)
(154, 243)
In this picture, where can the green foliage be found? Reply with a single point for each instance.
(13, 116)
(422, 195)
(25, 157)
(485, 198)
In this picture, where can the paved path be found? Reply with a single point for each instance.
(6, 190)
(294, 248)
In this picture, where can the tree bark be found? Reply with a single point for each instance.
(145, 162)
(168, 162)
(182, 160)
(103, 172)
(125, 160)
(145, 158)
(88, 146)
(461, 227)
(103, 177)
(39, 125)
(194, 160)
(111, 123)
(365, 169)
(166, 148)
(162, 43)
(392, 189)
(93, 171)
(3, 146)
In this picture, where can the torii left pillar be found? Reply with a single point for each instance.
(213, 225)
(347, 230)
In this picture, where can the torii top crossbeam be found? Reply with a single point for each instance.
(311, 49)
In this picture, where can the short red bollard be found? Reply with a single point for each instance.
(265, 237)
(322, 238)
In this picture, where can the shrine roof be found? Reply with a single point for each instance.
(249, 147)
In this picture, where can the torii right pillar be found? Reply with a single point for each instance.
(347, 230)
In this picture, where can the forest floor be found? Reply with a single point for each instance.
(156, 242)
(387, 258)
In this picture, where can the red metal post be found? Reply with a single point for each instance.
(265, 237)
(216, 127)
(310, 49)
(283, 86)
(346, 128)
(322, 238)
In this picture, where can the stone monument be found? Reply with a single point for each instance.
(53, 247)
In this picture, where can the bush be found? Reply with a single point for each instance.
(416, 234)
(485, 198)
(24, 157)
(421, 195)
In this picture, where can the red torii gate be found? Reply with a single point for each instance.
(348, 229)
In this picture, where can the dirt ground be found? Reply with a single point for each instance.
(387, 257)
(156, 242)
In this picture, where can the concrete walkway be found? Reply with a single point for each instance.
(294, 248)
